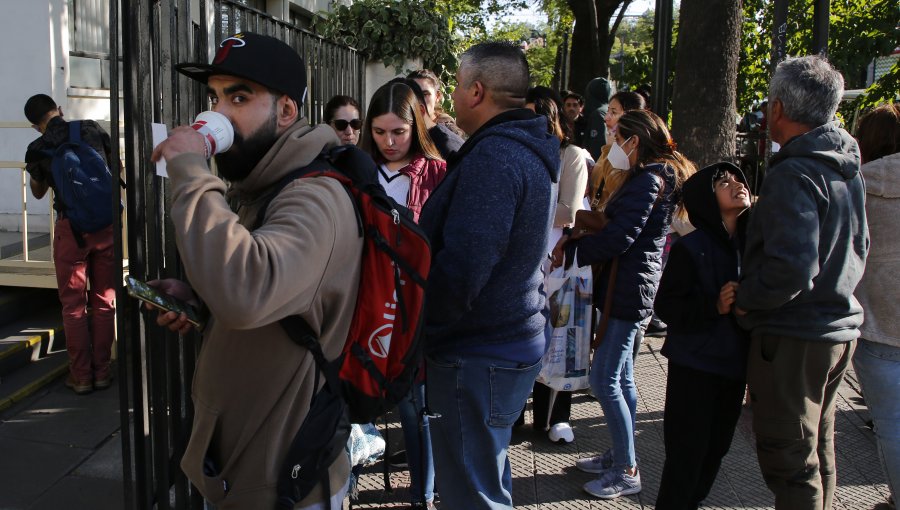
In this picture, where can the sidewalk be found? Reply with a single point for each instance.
(60, 450)
(544, 474)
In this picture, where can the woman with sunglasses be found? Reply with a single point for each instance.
(409, 168)
(342, 114)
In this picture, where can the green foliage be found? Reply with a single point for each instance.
(541, 43)
(469, 18)
(631, 62)
(859, 31)
(392, 31)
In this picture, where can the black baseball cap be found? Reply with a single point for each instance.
(256, 57)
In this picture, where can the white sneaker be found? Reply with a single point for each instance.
(561, 433)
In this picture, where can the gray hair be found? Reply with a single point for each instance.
(502, 69)
(809, 89)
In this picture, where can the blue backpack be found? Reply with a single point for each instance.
(83, 183)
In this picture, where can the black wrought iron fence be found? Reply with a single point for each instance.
(155, 366)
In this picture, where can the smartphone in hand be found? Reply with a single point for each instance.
(148, 294)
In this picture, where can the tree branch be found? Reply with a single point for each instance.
(615, 27)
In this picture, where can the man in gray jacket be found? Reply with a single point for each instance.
(806, 249)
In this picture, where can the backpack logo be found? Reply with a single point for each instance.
(380, 345)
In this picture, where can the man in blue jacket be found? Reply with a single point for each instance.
(488, 222)
(806, 250)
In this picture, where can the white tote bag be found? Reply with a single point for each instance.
(568, 358)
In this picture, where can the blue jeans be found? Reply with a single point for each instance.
(878, 368)
(478, 399)
(409, 409)
(612, 381)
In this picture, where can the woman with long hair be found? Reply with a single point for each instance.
(342, 114)
(877, 356)
(572, 181)
(630, 248)
(409, 168)
(394, 134)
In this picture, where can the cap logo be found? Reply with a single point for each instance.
(235, 41)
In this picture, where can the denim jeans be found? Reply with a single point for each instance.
(419, 463)
(878, 368)
(612, 381)
(478, 399)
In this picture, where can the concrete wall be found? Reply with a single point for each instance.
(34, 48)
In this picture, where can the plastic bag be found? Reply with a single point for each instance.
(568, 358)
(366, 445)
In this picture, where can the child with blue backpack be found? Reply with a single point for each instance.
(707, 350)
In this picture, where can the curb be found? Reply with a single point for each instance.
(35, 385)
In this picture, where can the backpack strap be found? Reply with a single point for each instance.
(322, 163)
(75, 131)
(302, 334)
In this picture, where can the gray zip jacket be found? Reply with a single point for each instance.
(807, 241)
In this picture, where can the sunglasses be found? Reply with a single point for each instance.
(341, 124)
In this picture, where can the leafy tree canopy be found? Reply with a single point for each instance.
(859, 31)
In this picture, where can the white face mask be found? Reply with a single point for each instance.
(618, 158)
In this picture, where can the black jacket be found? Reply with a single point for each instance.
(699, 264)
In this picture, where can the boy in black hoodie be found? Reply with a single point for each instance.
(707, 350)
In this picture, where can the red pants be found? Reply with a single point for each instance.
(89, 346)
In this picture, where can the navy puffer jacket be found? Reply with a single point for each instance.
(639, 216)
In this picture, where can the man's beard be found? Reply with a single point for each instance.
(237, 163)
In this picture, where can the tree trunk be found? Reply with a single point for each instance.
(591, 40)
(706, 67)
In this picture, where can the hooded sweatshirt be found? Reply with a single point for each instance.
(807, 241)
(253, 385)
(596, 103)
(488, 223)
(879, 290)
(699, 265)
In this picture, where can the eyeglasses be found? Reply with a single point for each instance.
(341, 124)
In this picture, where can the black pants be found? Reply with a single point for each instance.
(701, 412)
(540, 404)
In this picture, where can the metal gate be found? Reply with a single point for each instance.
(155, 366)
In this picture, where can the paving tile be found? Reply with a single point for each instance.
(80, 492)
(88, 419)
(105, 463)
(545, 477)
(28, 469)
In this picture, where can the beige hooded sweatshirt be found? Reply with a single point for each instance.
(253, 385)
(879, 290)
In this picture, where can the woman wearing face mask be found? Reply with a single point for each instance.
(342, 114)
(630, 248)
(605, 179)
(409, 168)
(572, 181)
